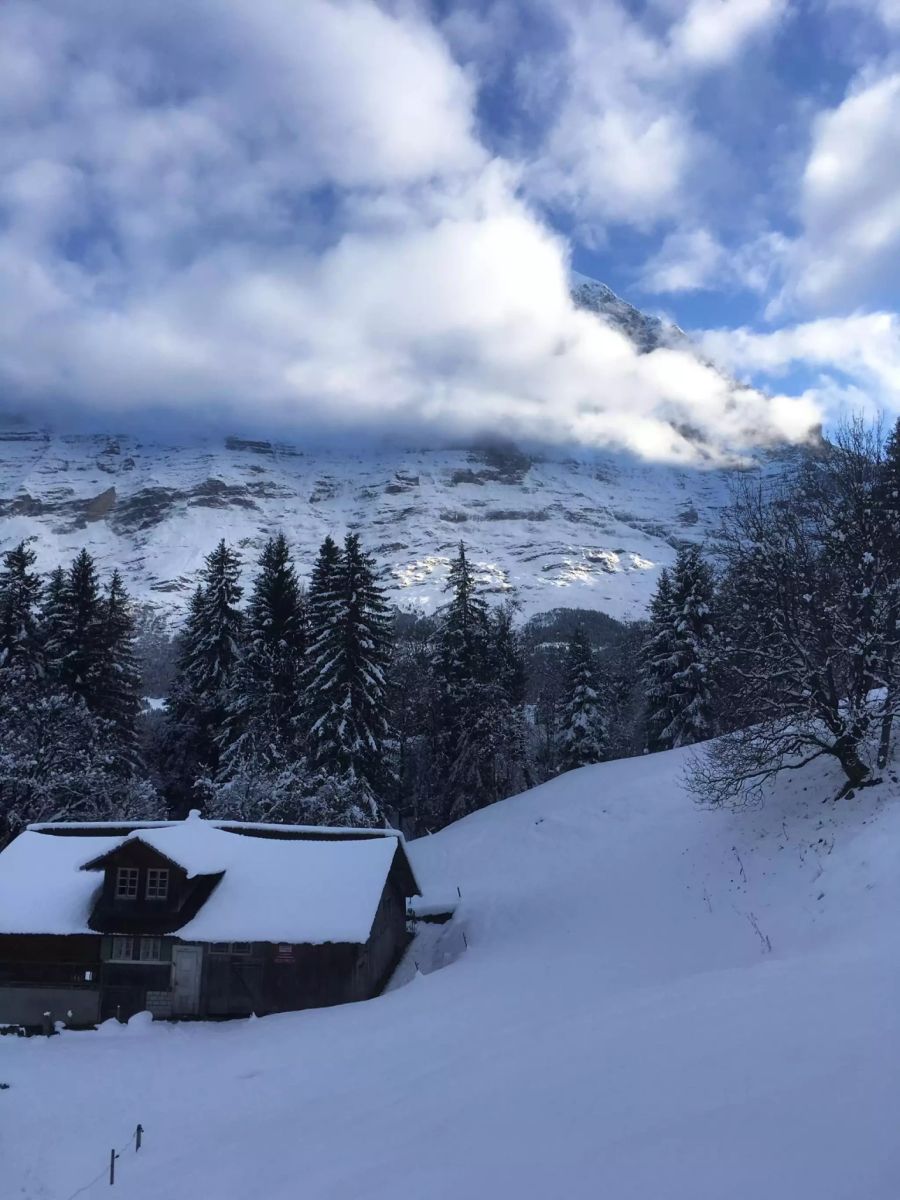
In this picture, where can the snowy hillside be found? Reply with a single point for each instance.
(657, 1003)
(591, 533)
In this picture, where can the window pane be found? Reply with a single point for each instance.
(241, 948)
(150, 949)
(157, 883)
(122, 948)
(127, 883)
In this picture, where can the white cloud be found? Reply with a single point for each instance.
(693, 259)
(850, 200)
(688, 260)
(625, 144)
(280, 213)
(714, 32)
(856, 358)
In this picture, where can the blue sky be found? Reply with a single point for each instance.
(345, 214)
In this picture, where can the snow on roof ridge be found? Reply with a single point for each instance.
(224, 824)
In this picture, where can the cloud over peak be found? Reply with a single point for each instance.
(287, 213)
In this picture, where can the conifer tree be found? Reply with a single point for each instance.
(462, 658)
(75, 645)
(324, 610)
(506, 652)
(583, 736)
(481, 752)
(692, 650)
(20, 592)
(210, 649)
(656, 663)
(51, 620)
(678, 655)
(118, 694)
(347, 677)
(263, 731)
(463, 644)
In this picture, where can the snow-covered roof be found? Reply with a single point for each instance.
(316, 831)
(272, 889)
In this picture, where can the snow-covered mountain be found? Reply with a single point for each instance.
(589, 531)
(645, 331)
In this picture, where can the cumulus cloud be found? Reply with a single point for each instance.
(849, 245)
(693, 259)
(856, 359)
(282, 213)
(712, 32)
(625, 144)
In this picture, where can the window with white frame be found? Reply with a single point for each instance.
(122, 949)
(127, 883)
(157, 883)
(151, 949)
(131, 949)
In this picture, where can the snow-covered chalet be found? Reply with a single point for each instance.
(197, 918)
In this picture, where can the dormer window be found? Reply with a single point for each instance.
(157, 883)
(127, 883)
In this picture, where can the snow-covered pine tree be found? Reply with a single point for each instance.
(67, 734)
(657, 663)
(507, 655)
(74, 622)
(583, 735)
(210, 646)
(262, 753)
(490, 758)
(463, 643)
(58, 763)
(477, 665)
(20, 594)
(347, 702)
(692, 650)
(118, 694)
(324, 609)
(50, 622)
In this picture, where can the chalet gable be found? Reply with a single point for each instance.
(133, 852)
(145, 890)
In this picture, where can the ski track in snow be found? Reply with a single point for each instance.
(616, 1029)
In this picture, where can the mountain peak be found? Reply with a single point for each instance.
(644, 331)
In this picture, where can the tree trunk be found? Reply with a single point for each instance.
(846, 750)
(887, 721)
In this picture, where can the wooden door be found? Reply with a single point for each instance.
(187, 963)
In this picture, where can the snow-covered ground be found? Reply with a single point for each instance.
(553, 530)
(657, 1003)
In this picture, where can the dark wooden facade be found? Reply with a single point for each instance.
(135, 961)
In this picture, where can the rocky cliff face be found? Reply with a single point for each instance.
(590, 532)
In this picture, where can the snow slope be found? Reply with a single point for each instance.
(657, 1003)
(591, 532)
